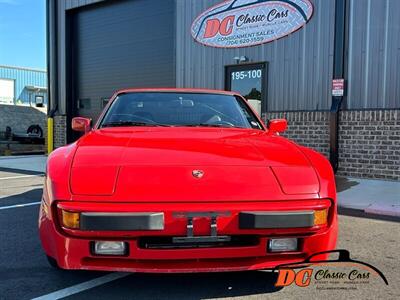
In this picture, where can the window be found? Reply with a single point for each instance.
(180, 109)
(249, 81)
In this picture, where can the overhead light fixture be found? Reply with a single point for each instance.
(241, 59)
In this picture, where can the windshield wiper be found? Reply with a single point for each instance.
(132, 123)
(208, 125)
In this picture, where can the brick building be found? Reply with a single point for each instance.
(282, 55)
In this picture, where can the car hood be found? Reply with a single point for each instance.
(144, 158)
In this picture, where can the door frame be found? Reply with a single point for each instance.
(70, 73)
(248, 66)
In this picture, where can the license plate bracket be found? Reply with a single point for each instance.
(191, 239)
(200, 239)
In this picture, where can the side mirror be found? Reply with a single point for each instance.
(81, 124)
(277, 126)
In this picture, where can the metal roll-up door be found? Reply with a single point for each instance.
(120, 44)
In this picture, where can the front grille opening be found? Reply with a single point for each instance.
(167, 243)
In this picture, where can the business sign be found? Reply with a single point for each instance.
(338, 87)
(243, 23)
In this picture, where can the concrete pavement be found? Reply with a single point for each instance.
(33, 163)
(370, 196)
(13, 184)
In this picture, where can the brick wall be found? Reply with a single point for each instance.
(19, 118)
(369, 141)
(369, 144)
(309, 129)
(60, 131)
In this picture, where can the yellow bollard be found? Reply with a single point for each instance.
(50, 132)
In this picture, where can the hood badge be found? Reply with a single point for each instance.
(198, 173)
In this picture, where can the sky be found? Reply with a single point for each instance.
(23, 33)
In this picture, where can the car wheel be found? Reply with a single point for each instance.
(52, 262)
(35, 129)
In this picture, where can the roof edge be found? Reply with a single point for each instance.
(23, 68)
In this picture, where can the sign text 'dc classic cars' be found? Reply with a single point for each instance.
(242, 23)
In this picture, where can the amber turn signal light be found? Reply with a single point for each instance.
(321, 217)
(70, 219)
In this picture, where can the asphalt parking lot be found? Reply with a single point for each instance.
(25, 274)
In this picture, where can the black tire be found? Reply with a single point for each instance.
(35, 129)
(52, 262)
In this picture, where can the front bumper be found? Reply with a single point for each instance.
(73, 248)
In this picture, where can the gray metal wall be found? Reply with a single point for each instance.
(300, 65)
(374, 54)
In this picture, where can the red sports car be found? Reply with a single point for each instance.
(178, 180)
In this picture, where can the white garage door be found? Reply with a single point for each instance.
(6, 91)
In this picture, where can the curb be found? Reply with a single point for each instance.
(19, 171)
(363, 213)
(382, 209)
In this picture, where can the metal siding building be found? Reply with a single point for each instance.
(299, 65)
(28, 83)
(373, 54)
(97, 47)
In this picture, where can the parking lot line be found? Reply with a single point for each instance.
(82, 286)
(20, 176)
(19, 205)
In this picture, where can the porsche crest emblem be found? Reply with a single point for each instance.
(198, 173)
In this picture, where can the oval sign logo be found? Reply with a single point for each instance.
(243, 23)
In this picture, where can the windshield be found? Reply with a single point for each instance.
(179, 109)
